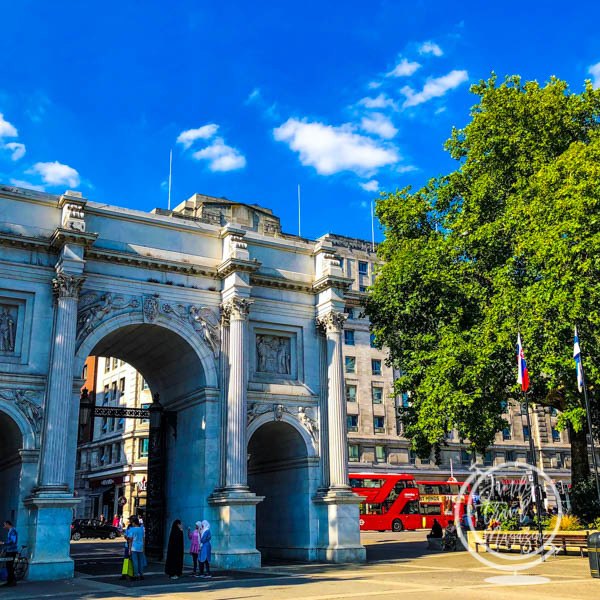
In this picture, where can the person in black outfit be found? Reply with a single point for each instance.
(436, 530)
(174, 562)
(11, 550)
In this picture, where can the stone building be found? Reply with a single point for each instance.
(111, 466)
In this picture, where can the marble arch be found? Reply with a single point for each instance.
(258, 317)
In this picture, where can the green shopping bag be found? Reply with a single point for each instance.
(127, 567)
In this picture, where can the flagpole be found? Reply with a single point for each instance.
(589, 422)
(536, 481)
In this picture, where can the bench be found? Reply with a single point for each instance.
(521, 540)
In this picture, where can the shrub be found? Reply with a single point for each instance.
(567, 523)
(595, 524)
(584, 499)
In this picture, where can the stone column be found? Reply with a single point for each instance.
(333, 323)
(223, 387)
(236, 468)
(54, 472)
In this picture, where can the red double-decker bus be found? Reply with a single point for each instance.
(398, 502)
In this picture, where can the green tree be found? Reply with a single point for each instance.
(508, 242)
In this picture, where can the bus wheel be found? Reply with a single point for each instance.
(397, 525)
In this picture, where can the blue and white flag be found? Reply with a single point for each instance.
(577, 359)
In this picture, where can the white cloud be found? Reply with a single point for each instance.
(404, 68)
(430, 48)
(594, 71)
(253, 96)
(379, 124)
(381, 101)
(434, 88)
(25, 184)
(221, 157)
(55, 173)
(17, 149)
(7, 129)
(332, 149)
(189, 136)
(373, 85)
(370, 186)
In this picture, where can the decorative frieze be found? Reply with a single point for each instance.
(95, 306)
(304, 415)
(29, 404)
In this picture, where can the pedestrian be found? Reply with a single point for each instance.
(102, 519)
(194, 537)
(135, 537)
(174, 562)
(115, 521)
(205, 549)
(11, 550)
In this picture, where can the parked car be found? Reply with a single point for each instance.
(92, 528)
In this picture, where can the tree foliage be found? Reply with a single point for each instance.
(508, 242)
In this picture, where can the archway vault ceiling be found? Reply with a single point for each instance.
(166, 360)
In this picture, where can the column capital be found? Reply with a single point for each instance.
(67, 286)
(332, 322)
(236, 308)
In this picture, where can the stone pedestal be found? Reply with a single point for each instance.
(234, 542)
(50, 558)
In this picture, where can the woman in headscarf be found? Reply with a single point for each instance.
(205, 549)
(174, 562)
(194, 537)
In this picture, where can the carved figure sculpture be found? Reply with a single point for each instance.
(8, 330)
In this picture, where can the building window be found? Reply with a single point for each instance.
(362, 289)
(121, 423)
(106, 365)
(117, 454)
(122, 386)
(379, 424)
(341, 259)
(348, 311)
(377, 394)
(412, 457)
(380, 454)
(488, 459)
(104, 424)
(405, 400)
(85, 372)
(525, 433)
(349, 337)
(350, 362)
(376, 366)
(143, 448)
(363, 267)
(350, 393)
(558, 460)
(555, 435)
(113, 390)
(553, 412)
(506, 434)
(144, 384)
(105, 396)
(109, 454)
(372, 341)
(509, 456)
(465, 457)
(353, 454)
(504, 406)
(146, 407)
(115, 363)
(523, 408)
(426, 460)
(352, 421)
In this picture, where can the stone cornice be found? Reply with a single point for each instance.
(149, 262)
(280, 282)
(231, 265)
(24, 241)
(331, 281)
(63, 236)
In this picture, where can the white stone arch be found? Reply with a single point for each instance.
(28, 434)
(258, 422)
(186, 332)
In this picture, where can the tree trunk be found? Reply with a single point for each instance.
(580, 464)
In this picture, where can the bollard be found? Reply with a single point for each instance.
(594, 554)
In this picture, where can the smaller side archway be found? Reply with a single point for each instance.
(282, 468)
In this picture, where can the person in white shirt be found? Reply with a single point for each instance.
(135, 537)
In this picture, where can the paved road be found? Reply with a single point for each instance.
(399, 565)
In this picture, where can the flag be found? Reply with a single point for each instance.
(522, 373)
(577, 359)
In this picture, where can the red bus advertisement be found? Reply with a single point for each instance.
(397, 502)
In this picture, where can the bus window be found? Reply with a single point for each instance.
(411, 508)
(431, 509)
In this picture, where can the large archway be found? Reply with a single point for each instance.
(279, 470)
(11, 443)
(179, 368)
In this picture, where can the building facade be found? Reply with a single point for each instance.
(111, 467)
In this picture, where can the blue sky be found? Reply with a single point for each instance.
(344, 98)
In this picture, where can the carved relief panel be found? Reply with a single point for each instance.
(275, 353)
(15, 326)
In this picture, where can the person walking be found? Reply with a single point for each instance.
(135, 537)
(174, 562)
(205, 549)
(194, 537)
(11, 549)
